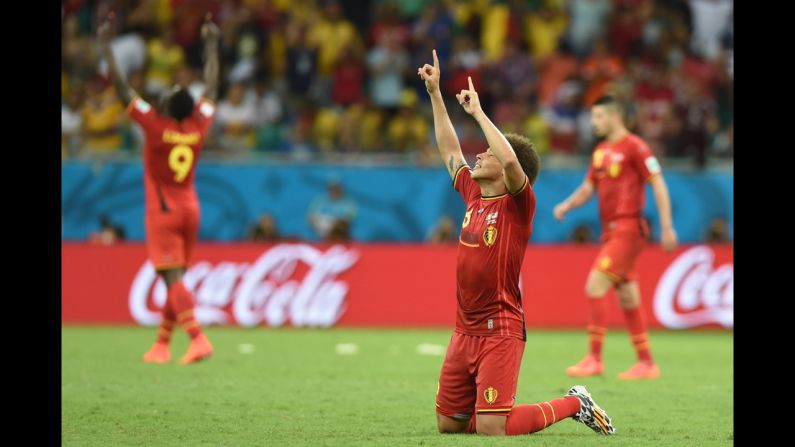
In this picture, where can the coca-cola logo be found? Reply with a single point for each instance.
(293, 283)
(693, 293)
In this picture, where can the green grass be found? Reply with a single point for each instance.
(294, 389)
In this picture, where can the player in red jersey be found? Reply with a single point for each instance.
(620, 166)
(174, 139)
(477, 384)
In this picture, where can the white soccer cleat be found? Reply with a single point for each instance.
(591, 414)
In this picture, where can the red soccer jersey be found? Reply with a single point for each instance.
(491, 248)
(618, 172)
(171, 150)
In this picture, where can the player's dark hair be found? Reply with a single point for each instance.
(180, 104)
(527, 155)
(610, 101)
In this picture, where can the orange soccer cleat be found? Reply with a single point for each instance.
(158, 353)
(588, 366)
(641, 370)
(199, 349)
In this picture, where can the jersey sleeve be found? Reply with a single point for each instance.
(463, 183)
(142, 112)
(644, 161)
(591, 174)
(525, 199)
(204, 111)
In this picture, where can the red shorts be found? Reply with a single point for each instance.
(171, 236)
(623, 241)
(479, 374)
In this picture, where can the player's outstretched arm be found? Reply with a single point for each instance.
(123, 89)
(446, 139)
(500, 147)
(211, 34)
(578, 198)
(663, 199)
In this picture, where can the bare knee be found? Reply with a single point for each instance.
(171, 276)
(627, 302)
(449, 428)
(491, 425)
(597, 285)
(446, 424)
(628, 295)
(592, 292)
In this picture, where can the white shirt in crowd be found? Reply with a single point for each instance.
(711, 19)
(129, 52)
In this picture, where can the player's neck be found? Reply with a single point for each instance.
(491, 188)
(617, 135)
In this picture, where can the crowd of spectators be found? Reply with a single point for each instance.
(308, 78)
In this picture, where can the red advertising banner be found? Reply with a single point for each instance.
(306, 285)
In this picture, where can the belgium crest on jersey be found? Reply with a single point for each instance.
(490, 235)
(490, 394)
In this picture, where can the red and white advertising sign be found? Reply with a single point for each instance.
(305, 285)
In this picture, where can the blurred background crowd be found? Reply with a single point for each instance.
(329, 79)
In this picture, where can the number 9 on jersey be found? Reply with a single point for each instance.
(180, 160)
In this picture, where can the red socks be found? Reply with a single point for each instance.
(531, 418)
(597, 328)
(182, 302)
(637, 332)
(166, 325)
(598, 325)
(526, 419)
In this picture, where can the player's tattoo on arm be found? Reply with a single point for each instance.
(454, 167)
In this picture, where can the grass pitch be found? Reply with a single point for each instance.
(360, 387)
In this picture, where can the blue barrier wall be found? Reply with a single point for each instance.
(394, 203)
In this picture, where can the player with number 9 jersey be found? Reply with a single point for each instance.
(173, 140)
(171, 151)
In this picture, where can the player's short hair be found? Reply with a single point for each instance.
(180, 104)
(611, 102)
(527, 155)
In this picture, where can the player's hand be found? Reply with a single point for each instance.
(431, 74)
(560, 211)
(469, 99)
(104, 33)
(669, 240)
(210, 30)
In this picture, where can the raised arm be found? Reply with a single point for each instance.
(211, 35)
(660, 189)
(446, 139)
(123, 89)
(578, 198)
(499, 145)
